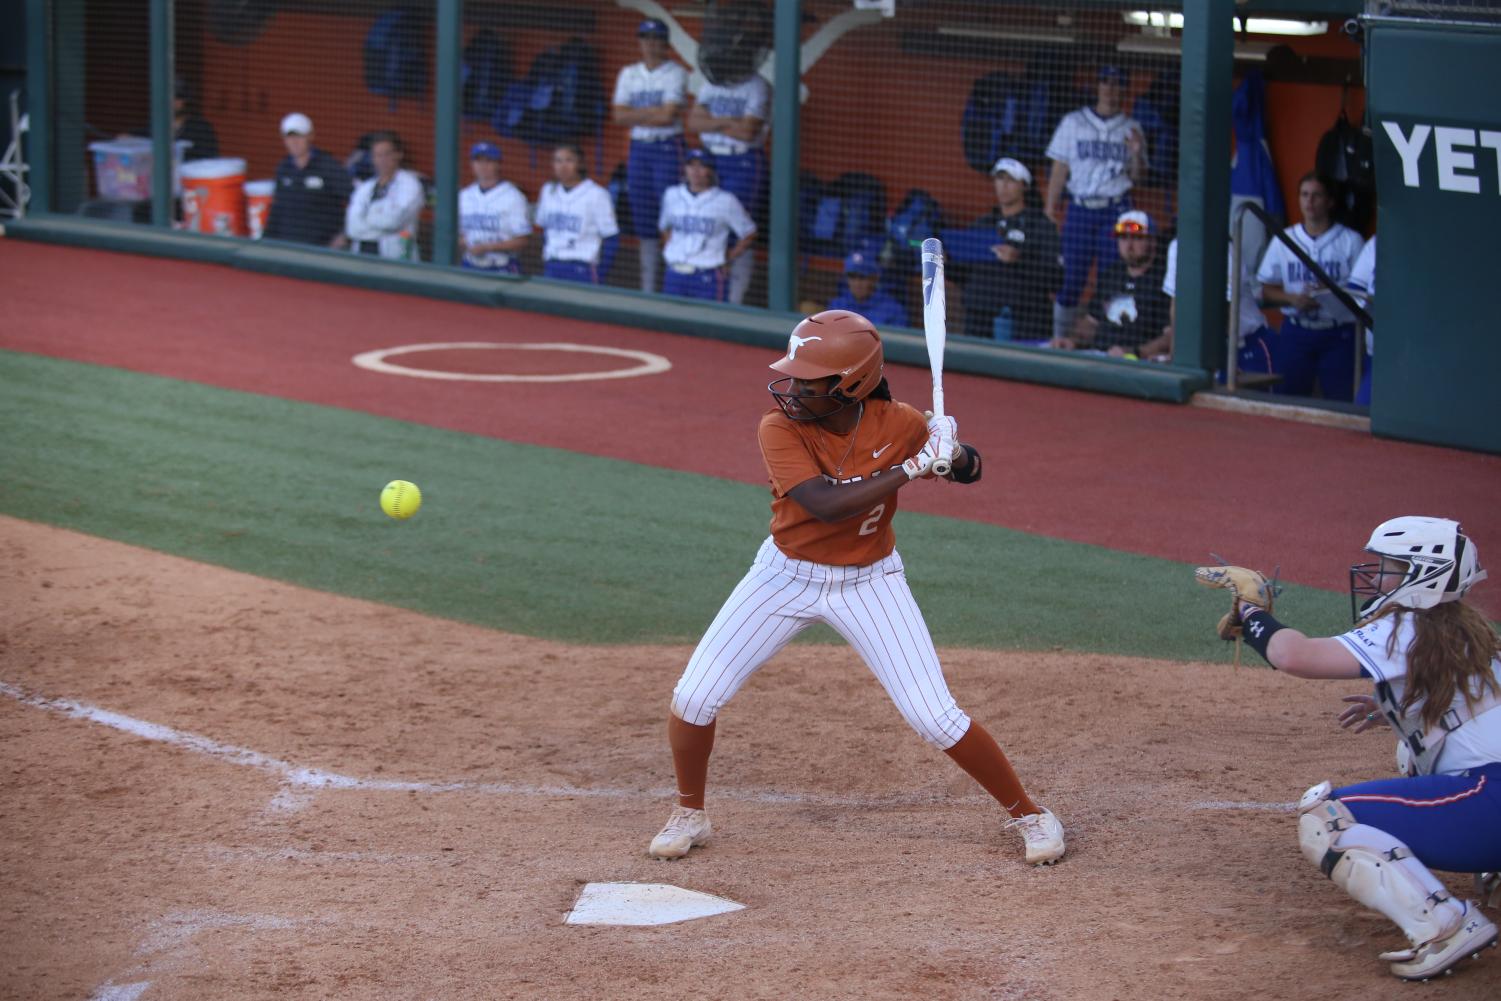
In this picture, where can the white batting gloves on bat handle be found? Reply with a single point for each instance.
(921, 464)
(944, 425)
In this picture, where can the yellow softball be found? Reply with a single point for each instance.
(400, 499)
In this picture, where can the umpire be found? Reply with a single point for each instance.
(312, 189)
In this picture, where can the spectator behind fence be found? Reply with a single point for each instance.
(731, 121)
(697, 218)
(1257, 342)
(1362, 285)
(577, 219)
(1130, 315)
(187, 124)
(493, 224)
(1317, 338)
(312, 188)
(1099, 152)
(1012, 263)
(383, 212)
(863, 294)
(649, 97)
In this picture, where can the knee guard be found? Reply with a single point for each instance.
(1375, 868)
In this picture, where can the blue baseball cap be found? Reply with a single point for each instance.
(861, 264)
(484, 150)
(652, 28)
(1112, 73)
(703, 156)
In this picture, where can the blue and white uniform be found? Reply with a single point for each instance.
(382, 218)
(1451, 818)
(741, 165)
(576, 221)
(655, 160)
(1099, 186)
(492, 216)
(699, 227)
(1258, 342)
(1318, 342)
(1362, 282)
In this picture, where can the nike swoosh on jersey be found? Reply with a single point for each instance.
(877, 453)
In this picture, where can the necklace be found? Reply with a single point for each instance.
(854, 433)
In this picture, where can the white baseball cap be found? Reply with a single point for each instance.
(297, 122)
(1017, 169)
(1134, 223)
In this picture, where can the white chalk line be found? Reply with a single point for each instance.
(298, 783)
(170, 935)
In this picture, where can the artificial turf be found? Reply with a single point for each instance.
(521, 538)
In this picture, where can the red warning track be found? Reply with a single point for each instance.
(1157, 479)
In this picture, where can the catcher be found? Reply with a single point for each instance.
(1437, 674)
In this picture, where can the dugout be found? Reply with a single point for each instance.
(876, 89)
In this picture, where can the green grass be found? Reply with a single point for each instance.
(526, 539)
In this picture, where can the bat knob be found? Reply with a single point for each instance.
(942, 467)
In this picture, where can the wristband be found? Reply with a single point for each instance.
(971, 472)
(1258, 628)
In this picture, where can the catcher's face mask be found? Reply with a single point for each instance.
(1375, 582)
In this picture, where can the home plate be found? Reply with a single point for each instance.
(644, 904)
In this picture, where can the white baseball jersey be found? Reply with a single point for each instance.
(639, 87)
(1095, 150)
(1362, 280)
(576, 220)
(748, 98)
(701, 225)
(1335, 250)
(1477, 742)
(490, 217)
(382, 216)
(1251, 318)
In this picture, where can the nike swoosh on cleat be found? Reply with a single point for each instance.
(877, 453)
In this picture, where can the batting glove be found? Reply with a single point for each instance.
(921, 464)
(944, 425)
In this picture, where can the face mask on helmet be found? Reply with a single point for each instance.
(837, 344)
(1438, 563)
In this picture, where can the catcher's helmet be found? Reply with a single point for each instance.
(836, 342)
(1442, 564)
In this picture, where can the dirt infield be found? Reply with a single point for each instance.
(219, 786)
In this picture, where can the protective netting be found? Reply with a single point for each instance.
(630, 143)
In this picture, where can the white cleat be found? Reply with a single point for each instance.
(686, 829)
(1488, 888)
(1439, 957)
(1043, 834)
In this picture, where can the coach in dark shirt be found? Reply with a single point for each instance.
(1015, 269)
(1130, 315)
(312, 189)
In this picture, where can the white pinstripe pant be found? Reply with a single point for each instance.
(871, 607)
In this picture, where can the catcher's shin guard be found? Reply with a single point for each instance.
(1375, 868)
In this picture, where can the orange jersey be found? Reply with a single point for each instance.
(797, 451)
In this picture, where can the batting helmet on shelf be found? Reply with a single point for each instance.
(1442, 565)
(836, 342)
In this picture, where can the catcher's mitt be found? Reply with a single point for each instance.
(1245, 586)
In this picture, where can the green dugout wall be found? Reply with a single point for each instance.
(1437, 132)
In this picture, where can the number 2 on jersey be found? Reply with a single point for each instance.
(869, 525)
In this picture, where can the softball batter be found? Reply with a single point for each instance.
(834, 449)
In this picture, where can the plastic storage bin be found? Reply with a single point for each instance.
(122, 168)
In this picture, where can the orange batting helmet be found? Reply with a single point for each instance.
(836, 342)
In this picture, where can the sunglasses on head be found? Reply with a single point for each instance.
(1131, 229)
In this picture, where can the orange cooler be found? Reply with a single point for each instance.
(213, 196)
(258, 206)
